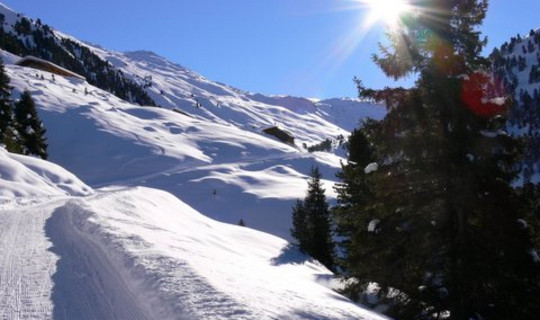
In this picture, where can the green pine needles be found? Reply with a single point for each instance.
(311, 222)
(426, 208)
(21, 130)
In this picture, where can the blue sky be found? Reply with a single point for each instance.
(298, 47)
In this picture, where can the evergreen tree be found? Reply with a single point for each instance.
(8, 132)
(438, 223)
(352, 214)
(30, 126)
(299, 230)
(311, 222)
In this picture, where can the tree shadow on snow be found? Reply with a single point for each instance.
(291, 254)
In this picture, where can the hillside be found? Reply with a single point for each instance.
(116, 247)
(206, 144)
(70, 252)
(517, 63)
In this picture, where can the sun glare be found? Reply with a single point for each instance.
(370, 14)
(388, 11)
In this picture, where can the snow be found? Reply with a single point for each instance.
(522, 223)
(501, 101)
(175, 87)
(372, 167)
(257, 178)
(372, 226)
(140, 253)
(8, 58)
(535, 256)
(488, 134)
(22, 176)
(116, 247)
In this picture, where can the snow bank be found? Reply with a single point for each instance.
(183, 265)
(23, 176)
(141, 254)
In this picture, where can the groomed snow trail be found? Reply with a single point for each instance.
(26, 264)
(141, 254)
(55, 265)
(86, 285)
(47, 271)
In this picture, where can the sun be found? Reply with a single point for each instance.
(388, 11)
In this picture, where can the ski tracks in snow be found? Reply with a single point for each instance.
(26, 264)
(49, 272)
(57, 264)
(86, 285)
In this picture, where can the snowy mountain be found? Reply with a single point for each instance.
(174, 87)
(206, 144)
(137, 239)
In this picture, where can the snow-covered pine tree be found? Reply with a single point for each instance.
(446, 236)
(31, 130)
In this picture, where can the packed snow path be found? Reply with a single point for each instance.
(26, 264)
(139, 253)
(49, 272)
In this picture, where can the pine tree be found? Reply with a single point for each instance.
(299, 230)
(30, 127)
(8, 132)
(439, 223)
(311, 222)
(353, 212)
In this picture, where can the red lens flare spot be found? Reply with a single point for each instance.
(479, 99)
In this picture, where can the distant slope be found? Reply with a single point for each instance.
(175, 87)
(145, 78)
(23, 36)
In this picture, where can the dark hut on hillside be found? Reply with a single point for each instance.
(280, 134)
(40, 64)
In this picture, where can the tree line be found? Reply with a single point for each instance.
(37, 39)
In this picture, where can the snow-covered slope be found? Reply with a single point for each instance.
(22, 176)
(206, 145)
(221, 170)
(173, 86)
(124, 251)
(139, 253)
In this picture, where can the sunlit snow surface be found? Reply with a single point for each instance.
(227, 171)
(28, 177)
(125, 251)
(140, 253)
